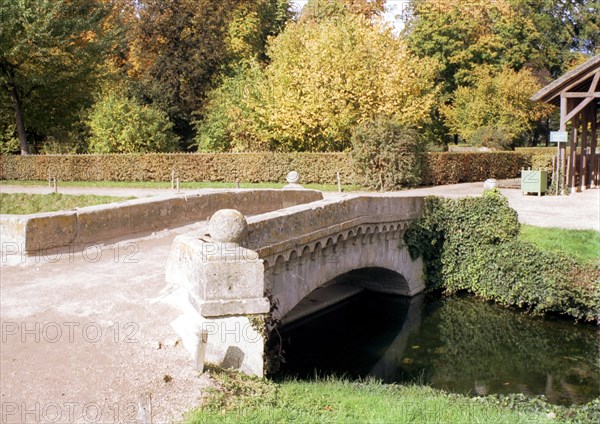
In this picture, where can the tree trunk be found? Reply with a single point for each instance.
(19, 120)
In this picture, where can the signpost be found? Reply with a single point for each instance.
(559, 137)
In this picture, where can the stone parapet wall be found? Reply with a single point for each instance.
(94, 224)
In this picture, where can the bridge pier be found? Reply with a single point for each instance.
(220, 285)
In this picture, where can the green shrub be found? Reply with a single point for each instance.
(471, 244)
(121, 125)
(387, 154)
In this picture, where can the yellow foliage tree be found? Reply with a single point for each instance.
(495, 111)
(327, 77)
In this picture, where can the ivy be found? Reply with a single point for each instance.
(471, 244)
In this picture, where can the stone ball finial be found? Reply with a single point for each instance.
(293, 177)
(228, 226)
(490, 184)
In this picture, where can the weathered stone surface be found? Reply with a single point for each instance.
(228, 226)
(99, 223)
(48, 230)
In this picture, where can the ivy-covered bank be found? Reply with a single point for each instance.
(471, 244)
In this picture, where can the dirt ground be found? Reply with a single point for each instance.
(86, 336)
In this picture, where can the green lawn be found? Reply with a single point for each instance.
(20, 203)
(183, 185)
(581, 245)
(246, 400)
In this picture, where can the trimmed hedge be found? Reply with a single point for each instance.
(316, 168)
(453, 168)
(541, 157)
(471, 244)
(319, 168)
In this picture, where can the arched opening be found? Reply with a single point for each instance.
(344, 287)
(358, 336)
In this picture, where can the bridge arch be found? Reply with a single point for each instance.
(345, 286)
(366, 247)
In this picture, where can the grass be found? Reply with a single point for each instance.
(581, 245)
(21, 203)
(183, 185)
(243, 399)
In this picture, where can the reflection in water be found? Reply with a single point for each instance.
(458, 344)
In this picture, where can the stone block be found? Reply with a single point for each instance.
(98, 223)
(48, 230)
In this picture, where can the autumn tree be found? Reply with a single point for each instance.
(179, 49)
(327, 76)
(49, 56)
(495, 111)
(251, 26)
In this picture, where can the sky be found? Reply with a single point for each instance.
(394, 10)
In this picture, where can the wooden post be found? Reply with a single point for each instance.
(339, 181)
(582, 158)
(573, 153)
(562, 147)
(595, 177)
(55, 185)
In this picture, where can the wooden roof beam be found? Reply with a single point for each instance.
(581, 95)
(578, 108)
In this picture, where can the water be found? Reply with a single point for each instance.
(458, 344)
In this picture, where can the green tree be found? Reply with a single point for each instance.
(121, 125)
(495, 111)
(463, 35)
(387, 154)
(564, 29)
(230, 118)
(49, 57)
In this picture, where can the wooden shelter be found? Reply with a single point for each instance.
(577, 93)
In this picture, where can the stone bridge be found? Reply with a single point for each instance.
(235, 282)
